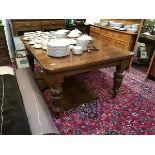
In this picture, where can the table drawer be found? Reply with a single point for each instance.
(120, 44)
(111, 34)
(103, 32)
(26, 24)
(95, 35)
(106, 41)
(52, 22)
(2, 42)
(121, 36)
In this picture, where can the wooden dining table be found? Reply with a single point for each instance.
(55, 70)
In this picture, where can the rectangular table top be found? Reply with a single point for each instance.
(106, 53)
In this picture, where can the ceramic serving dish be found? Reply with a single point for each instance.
(77, 50)
(133, 30)
(117, 24)
(104, 23)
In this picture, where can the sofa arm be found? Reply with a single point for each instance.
(39, 117)
(13, 118)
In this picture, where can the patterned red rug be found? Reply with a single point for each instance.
(131, 112)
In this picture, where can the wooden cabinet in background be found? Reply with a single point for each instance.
(52, 24)
(124, 21)
(95, 32)
(120, 39)
(23, 25)
(4, 53)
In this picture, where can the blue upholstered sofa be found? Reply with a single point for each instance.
(23, 110)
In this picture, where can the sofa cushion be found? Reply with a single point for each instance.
(38, 114)
(6, 70)
(13, 119)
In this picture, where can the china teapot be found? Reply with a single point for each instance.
(84, 41)
(74, 33)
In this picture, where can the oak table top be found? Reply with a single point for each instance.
(55, 70)
(52, 64)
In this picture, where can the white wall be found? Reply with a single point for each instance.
(92, 20)
(8, 38)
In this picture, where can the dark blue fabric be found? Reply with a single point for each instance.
(15, 121)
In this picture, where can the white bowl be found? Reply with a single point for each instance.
(104, 23)
(123, 29)
(96, 23)
(76, 31)
(117, 28)
(71, 47)
(77, 50)
(63, 31)
(117, 24)
(110, 23)
(127, 26)
(135, 26)
(133, 30)
(59, 34)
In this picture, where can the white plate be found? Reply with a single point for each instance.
(26, 35)
(117, 28)
(44, 48)
(26, 38)
(31, 42)
(122, 29)
(73, 36)
(69, 41)
(63, 31)
(31, 32)
(37, 46)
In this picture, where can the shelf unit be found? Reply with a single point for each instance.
(23, 25)
(120, 39)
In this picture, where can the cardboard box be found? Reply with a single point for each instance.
(21, 59)
(22, 62)
(20, 54)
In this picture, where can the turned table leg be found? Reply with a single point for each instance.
(56, 91)
(54, 82)
(30, 60)
(118, 76)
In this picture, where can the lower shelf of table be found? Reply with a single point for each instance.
(75, 92)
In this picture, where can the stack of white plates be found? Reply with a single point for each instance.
(58, 48)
